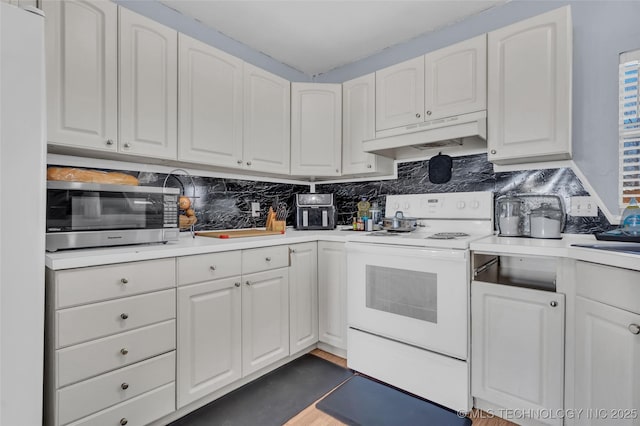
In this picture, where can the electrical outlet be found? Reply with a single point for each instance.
(255, 209)
(583, 206)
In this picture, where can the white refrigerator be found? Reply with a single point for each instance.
(22, 214)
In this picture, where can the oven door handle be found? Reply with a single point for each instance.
(431, 253)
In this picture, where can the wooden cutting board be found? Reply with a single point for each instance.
(239, 233)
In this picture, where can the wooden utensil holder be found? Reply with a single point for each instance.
(273, 224)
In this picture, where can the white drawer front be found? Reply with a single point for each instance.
(89, 359)
(137, 411)
(264, 259)
(207, 267)
(95, 284)
(88, 397)
(607, 284)
(83, 323)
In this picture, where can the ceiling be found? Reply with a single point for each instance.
(314, 36)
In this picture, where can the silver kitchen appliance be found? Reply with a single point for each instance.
(83, 214)
(315, 211)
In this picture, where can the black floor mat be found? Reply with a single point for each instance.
(361, 401)
(272, 399)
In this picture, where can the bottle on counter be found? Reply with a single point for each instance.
(355, 224)
(630, 221)
(363, 208)
(375, 214)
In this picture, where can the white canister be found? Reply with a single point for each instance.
(545, 222)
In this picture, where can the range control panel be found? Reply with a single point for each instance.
(451, 205)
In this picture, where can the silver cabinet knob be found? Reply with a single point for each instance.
(239, 161)
(428, 112)
(493, 151)
(368, 166)
(418, 115)
(634, 328)
(212, 267)
(553, 303)
(237, 284)
(124, 386)
(248, 163)
(124, 280)
(268, 259)
(292, 250)
(123, 421)
(337, 170)
(124, 351)
(248, 282)
(124, 316)
(127, 145)
(109, 142)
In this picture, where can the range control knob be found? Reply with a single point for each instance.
(475, 204)
(461, 205)
(396, 206)
(407, 206)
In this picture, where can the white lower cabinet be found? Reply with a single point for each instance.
(209, 337)
(110, 356)
(517, 351)
(332, 294)
(303, 296)
(607, 355)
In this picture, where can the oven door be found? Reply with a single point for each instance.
(413, 295)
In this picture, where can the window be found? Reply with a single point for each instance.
(629, 127)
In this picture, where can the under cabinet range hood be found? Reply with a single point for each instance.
(466, 132)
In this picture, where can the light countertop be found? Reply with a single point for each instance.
(66, 259)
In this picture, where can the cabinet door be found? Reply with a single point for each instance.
(209, 104)
(316, 129)
(517, 347)
(267, 121)
(303, 296)
(400, 94)
(332, 294)
(148, 87)
(81, 55)
(607, 375)
(358, 124)
(209, 338)
(456, 79)
(529, 102)
(265, 319)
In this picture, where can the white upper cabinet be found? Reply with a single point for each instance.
(267, 121)
(148, 87)
(209, 105)
(81, 53)
(358, 124)
(529, 102)
(400, 94)
(316, 129)
(455, 79)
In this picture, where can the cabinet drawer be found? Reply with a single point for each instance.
(88, 397)
(263, 259)
(137, 411)
(83, 323)
(614, 286)
(89, 359)
(207, 267)
(94, 284)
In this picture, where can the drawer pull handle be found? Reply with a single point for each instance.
(124, 315)
(634, 328)
(237, 284)
(248, 282)
(553, 303)
(124, 386)
(212, 267)
(123, 421)
(268, 259)
(124, 281)
(124, 351)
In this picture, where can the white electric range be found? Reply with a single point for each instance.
(408, 296)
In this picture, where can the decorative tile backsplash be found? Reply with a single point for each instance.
(470, 173)
(222, 203)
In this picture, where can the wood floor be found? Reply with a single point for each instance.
(311, 416)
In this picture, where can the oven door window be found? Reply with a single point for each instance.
(412, 294)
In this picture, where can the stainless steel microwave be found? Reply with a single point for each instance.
(94, 215)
